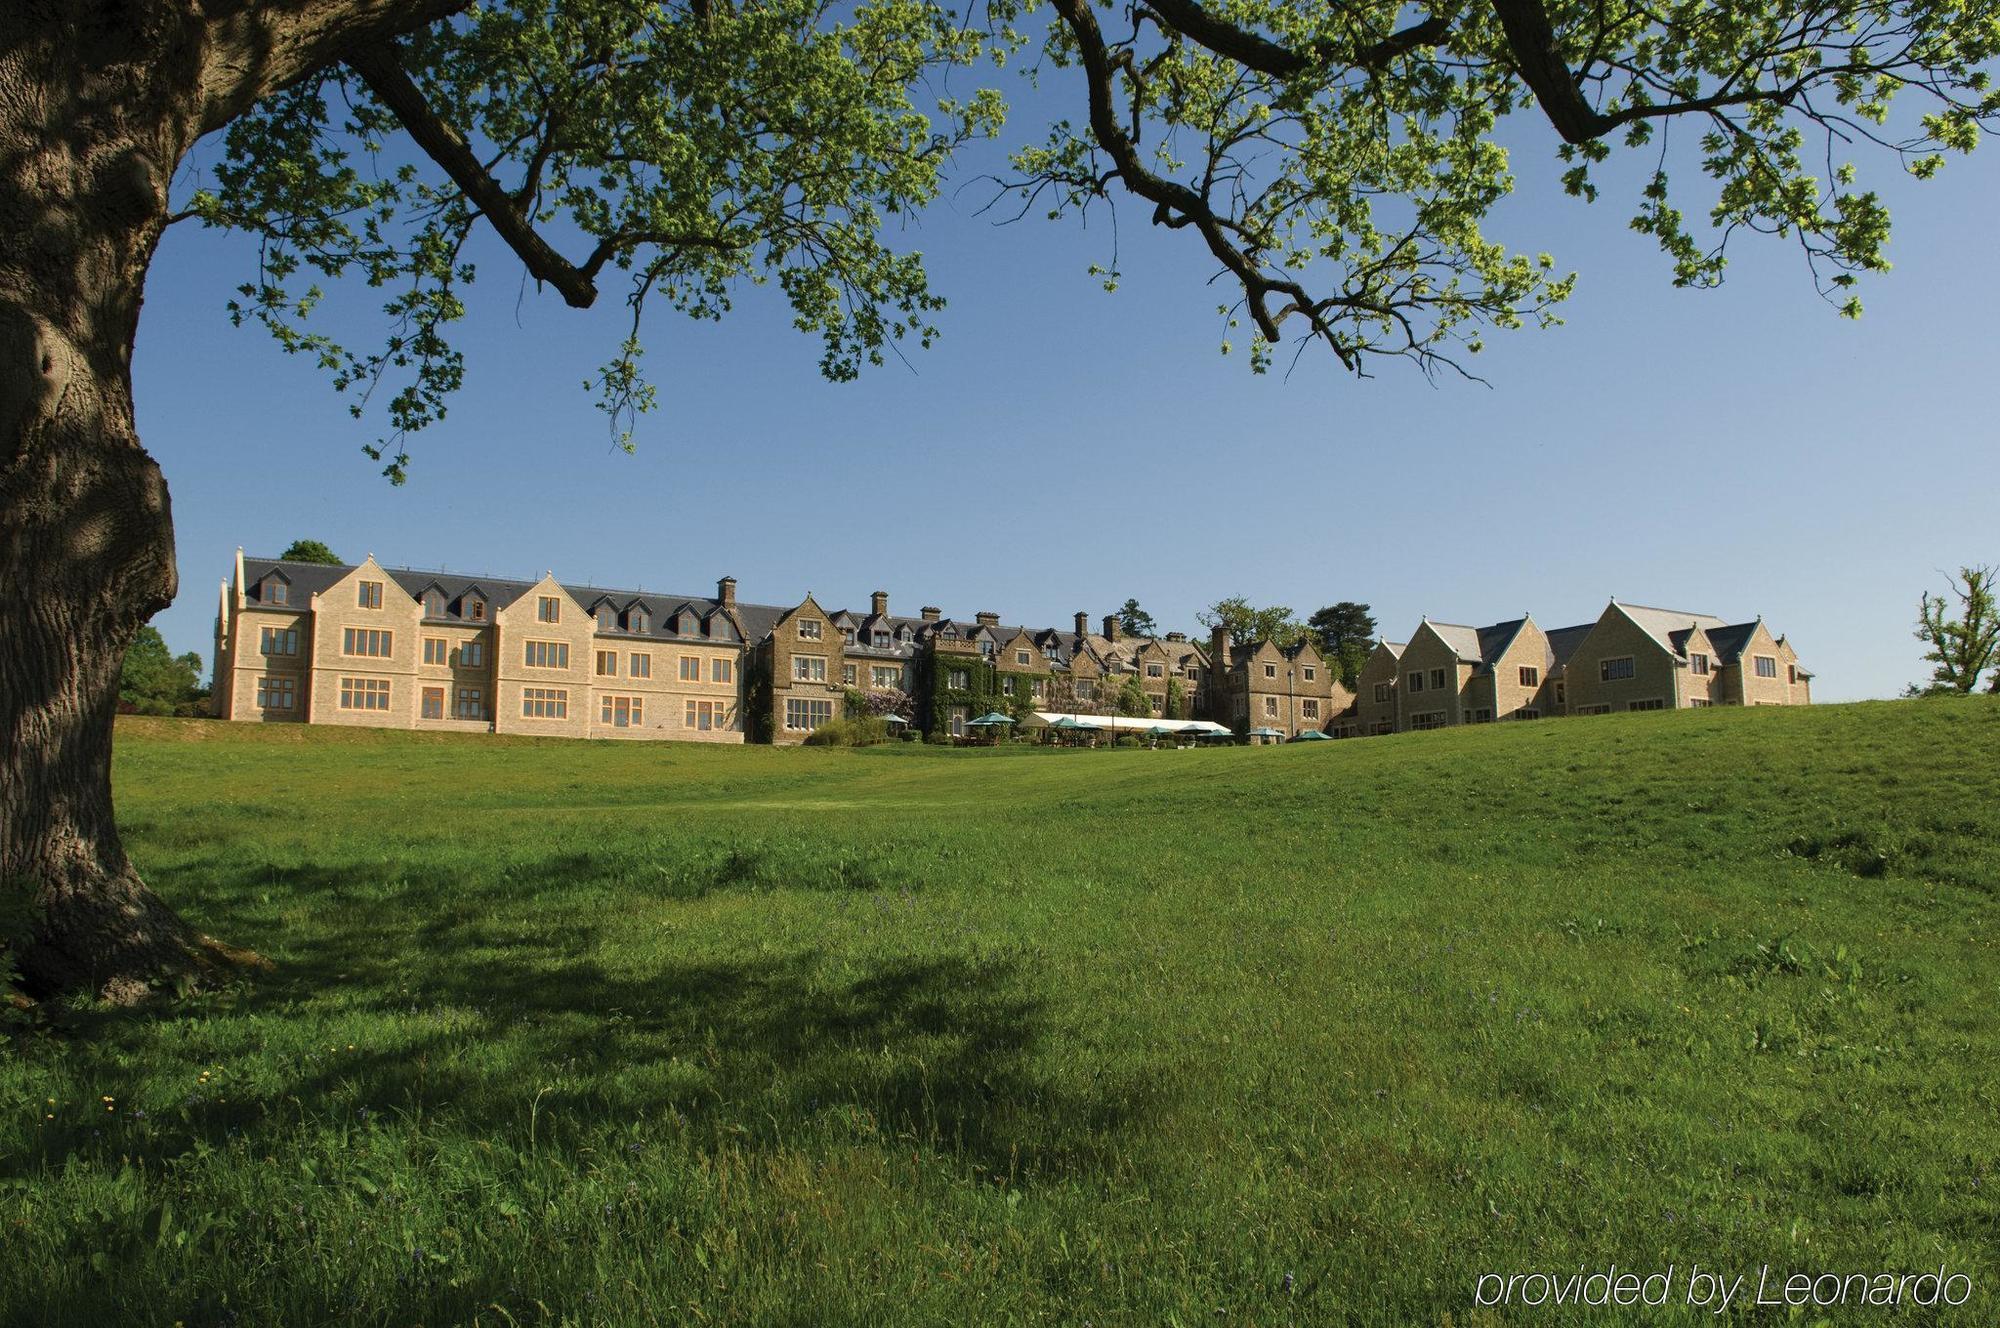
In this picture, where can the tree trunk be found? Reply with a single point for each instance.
(90, 132)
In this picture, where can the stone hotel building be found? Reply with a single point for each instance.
(394, 647)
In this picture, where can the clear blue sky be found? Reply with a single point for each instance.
(1737, 451)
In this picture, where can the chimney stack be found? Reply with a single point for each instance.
(1218, 648)
(931, 612)
(1082, 624)
(1176, 636)
(725, 590)
(879, 603)
(1111, 627)
(988, 619)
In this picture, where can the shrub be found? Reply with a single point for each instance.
(849, 733)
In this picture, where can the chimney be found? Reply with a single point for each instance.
(878, 604)
(725, 590)
(1176, 636)
(930, 612)
(239, 570)
(1218, 648)
(988, 619)
(1111, 627)
(1082, 624)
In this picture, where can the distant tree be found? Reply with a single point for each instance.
(1342, 632)
(1135, 621)
(1132, 698)
(1177, 706)
(312, 551)
(1246, 622)
(153, 681)
(1964, 636)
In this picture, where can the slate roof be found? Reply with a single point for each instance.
(1662, 624)
(1563, 641)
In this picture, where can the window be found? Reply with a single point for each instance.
(1085, 691)
(635, 620)
(1384, 726)
(472, 655)
(364, 693)
(808, 668)
(811, 629)
(1560, 689)
(958, 680)
(1382, 690)
(436, 651)
(1698, 702)
(690, 668)
(471, 705)
(1527, 712)
(1652, 703)
(1792, 674)
(881, 640)
(847, 673)
(607, 618)
(1270, 705)
(1698, 664)
(803, 715)
(281, 641)
(1416, 682)
(707, 715)
(1611, 670)
(1021, 657)
(370, 596)
(1311, 672)
(959, 715)
(1430, 719)
(545, 654)
(1270, 670)
(622, 712)
(1767, 667)
(432, 704)
(847, 635)
(986, 649)
(1530, 676)
(366, 641)
(607, 663)
(277, 693)
(276, 591)
(721, 670)
(1037, 688)
(640, 665)
(545, 703)
(1437, 680)
(1156, 670)
(1593, 710)
(1480, 716)
(475, 609)
(434, 604)
(1309, 708)
(548, 609)
(885, 676)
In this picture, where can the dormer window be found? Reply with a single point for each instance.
(903, 635)
(635, 620)
(434, 604)
(607, 618)
(847, 635)
(475, 609)
(986, 648)
(276, 591)
(881, 640)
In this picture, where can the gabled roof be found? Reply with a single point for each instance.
(1730, 641)
(1563, 641)
(1462, 639)
(1661, 624)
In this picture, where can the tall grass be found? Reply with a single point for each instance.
(634, 1034)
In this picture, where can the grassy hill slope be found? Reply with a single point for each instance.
(603, 1033)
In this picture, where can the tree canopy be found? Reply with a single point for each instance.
(1135, 621)
(1336, 163)
(1961, 633)
(1343, 633)
(311, 551)
(155, 681)
(1244, 621)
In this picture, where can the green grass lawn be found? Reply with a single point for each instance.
(632, 1034)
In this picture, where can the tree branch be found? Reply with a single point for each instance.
(386, 78)
(1259, 53)
(257, 47)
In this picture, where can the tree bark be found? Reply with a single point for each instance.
(100, 101)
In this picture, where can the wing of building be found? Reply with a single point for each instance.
(395, 647)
